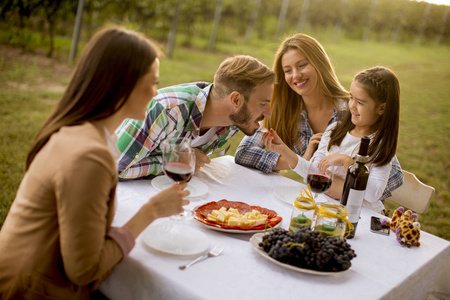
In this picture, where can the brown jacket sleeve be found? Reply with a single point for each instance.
(85, 207)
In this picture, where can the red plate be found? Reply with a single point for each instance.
(201, 214)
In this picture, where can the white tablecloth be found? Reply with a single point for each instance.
(382, 269)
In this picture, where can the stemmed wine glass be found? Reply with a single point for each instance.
(178, 165)
(319, 181)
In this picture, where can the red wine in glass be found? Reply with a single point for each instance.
(319, 183)
(178, 164)
(178, 171)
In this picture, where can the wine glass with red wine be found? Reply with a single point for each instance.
(319, 181)
(178, 164)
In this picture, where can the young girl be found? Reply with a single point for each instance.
(374, 108)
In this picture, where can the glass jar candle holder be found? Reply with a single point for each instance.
(331, 220)
(303, 211)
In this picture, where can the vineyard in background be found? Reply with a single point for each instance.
(204, 23)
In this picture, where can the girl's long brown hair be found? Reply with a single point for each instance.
(111, 64)
(383, 87)
(287, 105)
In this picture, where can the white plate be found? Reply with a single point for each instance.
(175, 239)
(195, 186)
(257, 238)
(237, 230)
(289, 193)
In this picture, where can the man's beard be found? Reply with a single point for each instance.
(241, 120)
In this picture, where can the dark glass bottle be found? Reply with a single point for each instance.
(355, 185)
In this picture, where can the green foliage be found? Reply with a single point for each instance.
(27, 111)
(189, 66)
(23, 38)
(197, 16)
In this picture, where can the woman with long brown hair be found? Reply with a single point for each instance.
(57, 241)
(307, 98)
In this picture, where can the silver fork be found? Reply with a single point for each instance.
(222, 152)
(213, 253)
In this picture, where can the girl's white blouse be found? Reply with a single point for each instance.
(378, 176)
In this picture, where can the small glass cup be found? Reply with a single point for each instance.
(303, 211)
(331, 220)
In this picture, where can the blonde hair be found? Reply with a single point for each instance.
(286, 104)
(241, 73)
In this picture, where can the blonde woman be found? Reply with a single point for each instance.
(307, 98)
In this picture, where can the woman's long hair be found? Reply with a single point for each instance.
(286, 104)
(383, 87)
(109, 68)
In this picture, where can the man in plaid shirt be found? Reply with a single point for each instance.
(207, 113)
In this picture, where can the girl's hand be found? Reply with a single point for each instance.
(169, 201)
(335, 160)
(312, 145)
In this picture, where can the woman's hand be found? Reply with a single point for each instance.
(312, 145)
(169, 201)
(335, 160)
(200, 159)
(166, 203)
(273, 142)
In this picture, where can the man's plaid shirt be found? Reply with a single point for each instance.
(175, 112)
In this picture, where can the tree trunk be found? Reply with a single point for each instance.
(282, 18)
(423, 24)
(303, 14)
(51, 33)
(217, 14)
(373, 8)
(173, 30)
(338, 26)
(251, 25)
(76, 31)
(51, 14)
(442, 29)
(399, 22)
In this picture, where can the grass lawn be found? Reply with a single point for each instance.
(31, 84)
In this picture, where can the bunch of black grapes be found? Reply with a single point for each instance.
(308, 249)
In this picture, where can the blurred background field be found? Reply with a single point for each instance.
(32, 79)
